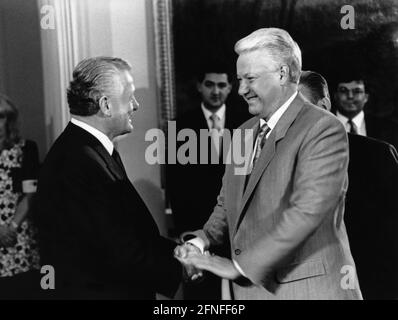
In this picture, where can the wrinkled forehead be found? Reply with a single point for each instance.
(253, 61)
(127, 81)
(352, 84)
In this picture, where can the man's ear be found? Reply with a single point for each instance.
(284, 74)
(104, 106)
(229, 87)
(366, 97)
(324, 103)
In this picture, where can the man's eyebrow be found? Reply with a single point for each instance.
(247, 74)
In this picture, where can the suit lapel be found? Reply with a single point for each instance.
(111, 164)
(81, 136)
(268, 152)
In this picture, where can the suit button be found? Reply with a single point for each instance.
(237, 252)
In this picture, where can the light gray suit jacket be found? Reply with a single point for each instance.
(286, 228)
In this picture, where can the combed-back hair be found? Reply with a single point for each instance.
(316, 84)
(213, 66)
(93, 78)
(278, 45)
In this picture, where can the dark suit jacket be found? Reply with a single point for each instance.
(372, 215)
(193, 188)
(381, 129)
(94, 227)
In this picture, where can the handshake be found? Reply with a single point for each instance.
(189, 255)
(195, 263)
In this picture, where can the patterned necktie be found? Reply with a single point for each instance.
(260, 141)
(353, 127)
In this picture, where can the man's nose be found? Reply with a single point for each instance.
(242, 88)
(350, 94)
(216, 90)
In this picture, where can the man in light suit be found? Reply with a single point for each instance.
(193, 205)
(372, 206)
(94, 228)
(284, 219)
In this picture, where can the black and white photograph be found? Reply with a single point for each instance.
(191, 151)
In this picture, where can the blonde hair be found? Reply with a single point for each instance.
(12, 124)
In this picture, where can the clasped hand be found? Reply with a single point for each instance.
(195, 262)
(181, 253)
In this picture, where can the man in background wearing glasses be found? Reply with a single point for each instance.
(350, 99)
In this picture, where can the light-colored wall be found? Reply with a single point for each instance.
(124, 28)
(21, 66)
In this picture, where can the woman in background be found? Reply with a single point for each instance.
(19, 259)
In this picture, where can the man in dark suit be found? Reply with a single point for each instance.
(372, 205)
(94, 228)
(350, 100)
(193, 188)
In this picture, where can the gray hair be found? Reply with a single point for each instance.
(278, 45)
(93, 78)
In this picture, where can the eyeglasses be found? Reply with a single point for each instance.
(355, 91)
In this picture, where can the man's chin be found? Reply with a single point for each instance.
(350, 112)
(126, 131)
(254, 109)
(214, 105)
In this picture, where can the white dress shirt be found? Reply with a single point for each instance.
(102, 137)
(220, 113)
(359, 121)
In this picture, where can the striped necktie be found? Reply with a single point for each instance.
(260, 141)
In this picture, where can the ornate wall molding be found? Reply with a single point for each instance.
(164, 60)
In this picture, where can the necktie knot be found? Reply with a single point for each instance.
(353, 127)
(261, 138)
(216, 121)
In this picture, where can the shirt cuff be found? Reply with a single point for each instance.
(198, 242)
(239, 268)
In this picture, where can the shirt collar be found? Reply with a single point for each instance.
(271, 123)
(106, 142)
(220, 112)
(358, 119)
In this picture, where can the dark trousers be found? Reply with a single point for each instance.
(207, 289)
